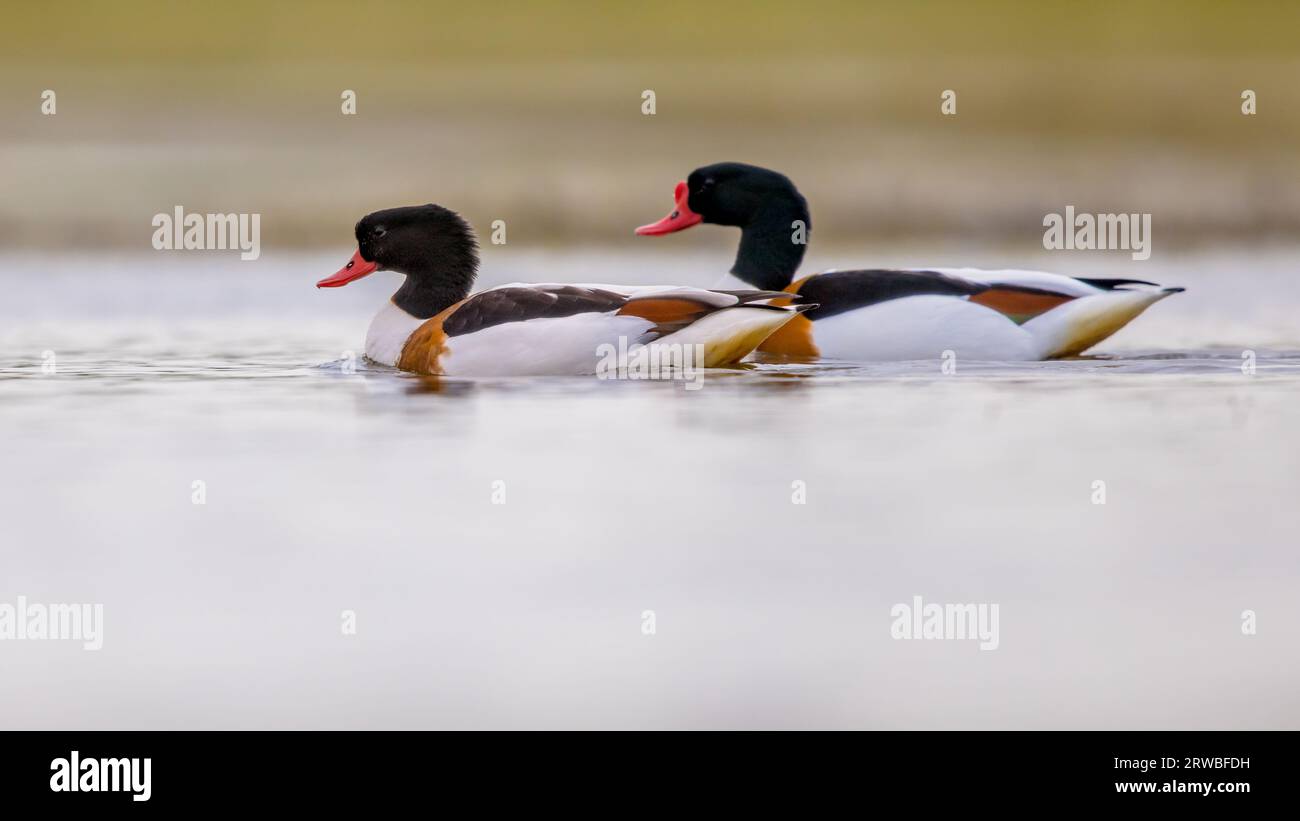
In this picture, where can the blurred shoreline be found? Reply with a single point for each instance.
(533, 115)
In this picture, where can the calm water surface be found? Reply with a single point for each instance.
(372, 492)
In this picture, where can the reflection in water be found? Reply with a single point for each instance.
(441, 385)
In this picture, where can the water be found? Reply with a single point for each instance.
(372, 492)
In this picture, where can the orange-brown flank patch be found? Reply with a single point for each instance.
(423, 348)
(1019, 306)
(794, 338)
(667, 313)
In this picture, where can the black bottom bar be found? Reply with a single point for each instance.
(333, 770)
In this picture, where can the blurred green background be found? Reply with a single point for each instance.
(531, 112)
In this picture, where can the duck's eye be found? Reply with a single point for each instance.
(675, 215)
(351, 262)
(379, 231)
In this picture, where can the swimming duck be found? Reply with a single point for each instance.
(433, 326)
(878, 314)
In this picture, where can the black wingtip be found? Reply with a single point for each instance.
(1108, 284)
(748, 296)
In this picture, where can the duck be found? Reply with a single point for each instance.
(881, 314)
(433, 325)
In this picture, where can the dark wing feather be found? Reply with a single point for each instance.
(501, 305)
(838, 291)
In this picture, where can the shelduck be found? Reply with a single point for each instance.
(878, 314)
(433, 326)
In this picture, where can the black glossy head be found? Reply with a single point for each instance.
(733, 193)
(418, 240)
(433, 246)
(769, 211)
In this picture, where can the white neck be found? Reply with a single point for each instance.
(388, 333)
